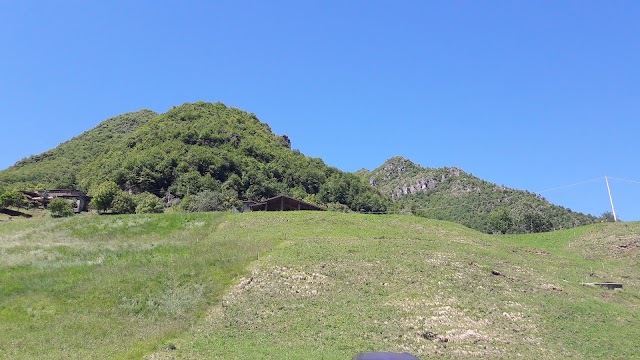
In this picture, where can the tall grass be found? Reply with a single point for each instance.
(112, 286)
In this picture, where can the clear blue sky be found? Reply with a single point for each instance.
(532, 95)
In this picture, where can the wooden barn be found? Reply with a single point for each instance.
(280, 203)
(79, 198)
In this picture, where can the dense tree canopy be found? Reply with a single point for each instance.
(199, 148)
(57, 168)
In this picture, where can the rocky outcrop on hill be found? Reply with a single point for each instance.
(449, 193)
(399, 176)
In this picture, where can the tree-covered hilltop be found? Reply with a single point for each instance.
(57, 168)
(193, 151)
(451, 194)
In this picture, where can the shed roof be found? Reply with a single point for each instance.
(66, 193)
(284, 203)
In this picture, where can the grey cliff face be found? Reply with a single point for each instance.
(413, 178)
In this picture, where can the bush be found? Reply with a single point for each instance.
(338, 207)
(104, 195)
(10, 198)
(500, 221)
(60, 208)
(210, 201)
(607, 216)
(148, 203)
(123, 203)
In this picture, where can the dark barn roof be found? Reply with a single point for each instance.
(283, 203)
(67, 193)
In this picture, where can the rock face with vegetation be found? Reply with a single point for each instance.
(399, 176)
(451, 194)
(191, 151)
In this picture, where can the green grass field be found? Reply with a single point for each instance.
(307, 285)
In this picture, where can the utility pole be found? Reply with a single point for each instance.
(615, 218)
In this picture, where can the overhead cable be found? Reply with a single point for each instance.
(571, 185)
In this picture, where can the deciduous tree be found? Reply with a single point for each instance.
(500, 220)
(103, 196)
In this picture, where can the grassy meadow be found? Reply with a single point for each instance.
(308, 285)
(112, 286)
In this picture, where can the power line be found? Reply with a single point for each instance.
(571, 185)
(627, 180)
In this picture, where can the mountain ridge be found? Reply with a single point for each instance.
(449, 193)
(414, 177)
(201, 146)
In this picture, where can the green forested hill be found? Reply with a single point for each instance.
(57, 167)
(191, 149)
(213, 155)
(451, 194)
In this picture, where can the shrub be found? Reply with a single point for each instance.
(10, 198)
(334, 206)
(148, 203)
(104, 195)
(123, 203)
(500, 220)
(210, 201)
(60, 208)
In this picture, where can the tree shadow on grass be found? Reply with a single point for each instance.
(14, 213)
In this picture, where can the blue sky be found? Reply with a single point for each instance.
(532, 95)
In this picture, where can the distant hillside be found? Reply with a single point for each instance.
(190, 149)
(451, 194)
(57, 168)
(210, 153)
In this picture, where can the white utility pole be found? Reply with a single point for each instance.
(615, 218)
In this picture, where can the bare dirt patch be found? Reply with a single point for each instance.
(443, 326)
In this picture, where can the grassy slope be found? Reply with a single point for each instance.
(340, 284)
(332, 285)
(111, 286)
